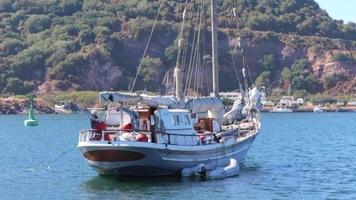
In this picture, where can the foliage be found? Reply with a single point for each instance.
(263, 79)
(11, 46)
(286, 74)
(332, 80)
(302, 78)
(6, 5)
(267, 62)
(150, 70)
(58, 39)
(37, 23)
(340, 57)
(322, 99)
(70, 7)
(84, 98)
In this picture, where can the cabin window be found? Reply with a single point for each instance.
(176, 120)
(186, 120)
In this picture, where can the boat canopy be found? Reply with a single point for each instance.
(119, 97)
(212, 105)
(168, 101)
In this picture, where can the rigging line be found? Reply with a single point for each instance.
(232, 56)
(180, 39)
(244, 63)
(192, 59)
(196, 51)
(199, 61)
(188, 82)
(185, 51)
(189, 73)
(148, 42)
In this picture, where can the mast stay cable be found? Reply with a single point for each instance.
(146, 48)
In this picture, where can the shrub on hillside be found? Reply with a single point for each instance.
(37, 23)
(343, 58)
(11, 46)
(150, 71)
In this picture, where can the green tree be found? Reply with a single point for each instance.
(267, 62)
(86, 37)
(69, 7)
(263, 79)
(286, 74)
(30, 64)
(11, 47)
(299, 67)
(69, 69)
(6, 5)
(37, 23)
(150, 72)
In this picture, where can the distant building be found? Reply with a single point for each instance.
(266, 104)
(351, 103)
(300, 101)
(228, 95)
(341, 102)
(288, 101)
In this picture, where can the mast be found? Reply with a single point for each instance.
(177, 69)
(214, 40)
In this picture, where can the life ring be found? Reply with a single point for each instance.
(141, 137)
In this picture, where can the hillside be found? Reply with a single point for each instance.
(60, 45)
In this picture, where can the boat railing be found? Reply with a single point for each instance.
(165, 138)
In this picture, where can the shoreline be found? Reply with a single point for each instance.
(309, 109)
(19, 106)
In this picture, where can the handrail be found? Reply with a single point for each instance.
(147, 131)
(89, 134)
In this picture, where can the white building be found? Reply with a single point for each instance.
(228, 95)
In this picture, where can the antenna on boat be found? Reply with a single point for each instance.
(215, 69)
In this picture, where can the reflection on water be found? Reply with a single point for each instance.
(124, 184)
(100, 182)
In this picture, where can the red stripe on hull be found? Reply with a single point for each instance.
(113, 156)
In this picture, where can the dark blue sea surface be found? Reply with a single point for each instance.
(296, 156)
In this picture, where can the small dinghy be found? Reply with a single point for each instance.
(210, 171)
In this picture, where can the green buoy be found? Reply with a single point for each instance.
(31, 120)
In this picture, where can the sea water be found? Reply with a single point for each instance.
(296, 156)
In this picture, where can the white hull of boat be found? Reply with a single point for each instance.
(318, 110)
(152, 159)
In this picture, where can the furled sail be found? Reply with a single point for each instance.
(243, 107)
(235, 114)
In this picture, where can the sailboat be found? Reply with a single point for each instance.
(164, 135)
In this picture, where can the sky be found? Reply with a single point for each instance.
(340, 9)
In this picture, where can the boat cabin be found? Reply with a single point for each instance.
(156, 125)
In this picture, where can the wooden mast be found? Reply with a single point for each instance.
(214, 40)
